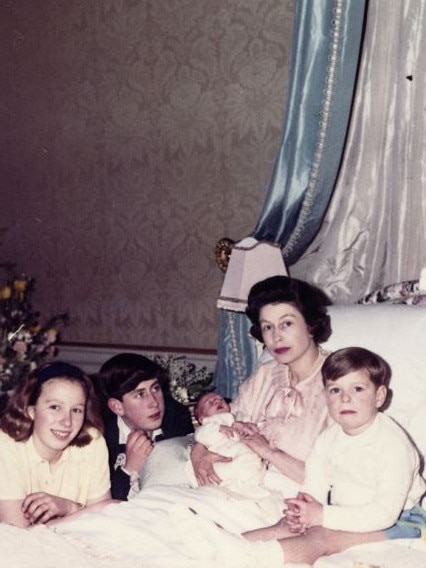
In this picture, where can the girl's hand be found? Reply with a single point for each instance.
(39, 508)
(203, 462)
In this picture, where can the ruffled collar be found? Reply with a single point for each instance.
(288, 395)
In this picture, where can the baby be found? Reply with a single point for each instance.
(219, 432)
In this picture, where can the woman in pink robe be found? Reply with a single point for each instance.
(284, 397)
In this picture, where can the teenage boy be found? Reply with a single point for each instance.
(138, 411)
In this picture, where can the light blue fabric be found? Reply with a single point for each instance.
(326, 44)
(237, 353)
(410, 524)
(325, 51)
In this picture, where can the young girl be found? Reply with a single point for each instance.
(53, 458)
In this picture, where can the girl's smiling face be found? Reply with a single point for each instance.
(286, 333)
(58, 416)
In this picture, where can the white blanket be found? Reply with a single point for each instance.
(162, 527)
(176, 526)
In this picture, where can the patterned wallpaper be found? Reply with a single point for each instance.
(136, 134)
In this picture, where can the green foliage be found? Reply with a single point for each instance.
(24, 341)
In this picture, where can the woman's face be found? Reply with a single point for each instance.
(285, 333)
(58, 416)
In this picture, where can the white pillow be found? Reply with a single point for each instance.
(166, 464)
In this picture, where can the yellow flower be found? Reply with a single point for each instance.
(5, 292)
(51, 334)
(20, 284)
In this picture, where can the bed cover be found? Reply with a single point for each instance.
(159, 529)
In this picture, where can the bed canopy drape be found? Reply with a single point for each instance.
(325, 51)
(374, 232)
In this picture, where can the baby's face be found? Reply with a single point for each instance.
(212, 403)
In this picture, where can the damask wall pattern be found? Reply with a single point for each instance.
(135, 135)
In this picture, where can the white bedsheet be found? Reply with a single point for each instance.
(401, 553)
(159, 529)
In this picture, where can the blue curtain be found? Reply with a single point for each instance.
(237, 353)
(326, 44)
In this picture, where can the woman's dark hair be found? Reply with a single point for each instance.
(18, 424)
(352, 359)
(123, 373)
(308, 299)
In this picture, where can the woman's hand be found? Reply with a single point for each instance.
(203, 462)
(138, 450)
(285, 463)
(228, 431)
(245, 429)
(259, 444)
(39, 508)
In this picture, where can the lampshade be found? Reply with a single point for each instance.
(250, 261)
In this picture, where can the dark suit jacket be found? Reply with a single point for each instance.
(177, 422)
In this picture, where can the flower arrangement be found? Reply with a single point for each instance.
(187, 382)
(24, 342)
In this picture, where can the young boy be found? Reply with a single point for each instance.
(362, 475)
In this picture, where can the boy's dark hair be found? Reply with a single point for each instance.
(122, 374)
(308, 299)
(351, 359)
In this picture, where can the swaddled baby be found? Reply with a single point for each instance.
(219, 432)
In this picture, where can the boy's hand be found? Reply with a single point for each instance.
(292, 517)
(304, 512)
(138, 450)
